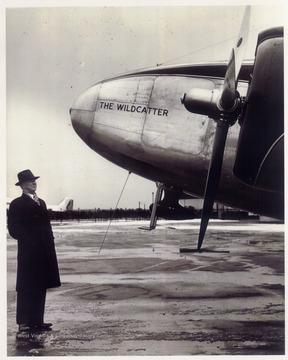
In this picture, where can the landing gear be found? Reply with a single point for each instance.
(153, 218)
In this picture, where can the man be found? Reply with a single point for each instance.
(37, 267)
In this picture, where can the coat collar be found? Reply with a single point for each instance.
(31, 202)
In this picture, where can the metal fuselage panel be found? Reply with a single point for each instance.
(139, 123)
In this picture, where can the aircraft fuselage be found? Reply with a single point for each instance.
(137, 121)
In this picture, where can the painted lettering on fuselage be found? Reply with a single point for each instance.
(140, 109)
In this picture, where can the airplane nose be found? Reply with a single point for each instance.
(82, 113)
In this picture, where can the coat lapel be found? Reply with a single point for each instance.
(31, 203)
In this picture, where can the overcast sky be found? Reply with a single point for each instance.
(55, 53)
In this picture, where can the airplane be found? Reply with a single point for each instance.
(208, 130)
(65, 205)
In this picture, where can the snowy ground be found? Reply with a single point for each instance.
(127, 291)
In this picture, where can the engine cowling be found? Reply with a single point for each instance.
(260, 150)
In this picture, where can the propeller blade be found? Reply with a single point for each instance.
(242, 41)
(213, 177)
(236, 58)
(229, 87)
(227, 103)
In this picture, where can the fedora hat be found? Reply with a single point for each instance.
(25, 175)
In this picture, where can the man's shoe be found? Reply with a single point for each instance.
(25, 328)
(44, 326)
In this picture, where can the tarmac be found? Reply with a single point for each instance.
(126, 291)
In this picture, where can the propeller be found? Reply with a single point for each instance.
(223, 107)
(213, 177)
(234, 65)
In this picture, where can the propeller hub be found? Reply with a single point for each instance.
(230, 115)
(209, 103)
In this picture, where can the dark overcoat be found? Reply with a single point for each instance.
(29, 223)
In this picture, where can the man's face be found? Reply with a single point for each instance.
(29, 186)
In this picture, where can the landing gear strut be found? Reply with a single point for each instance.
(153, 218)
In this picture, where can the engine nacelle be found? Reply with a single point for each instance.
(260, 151)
